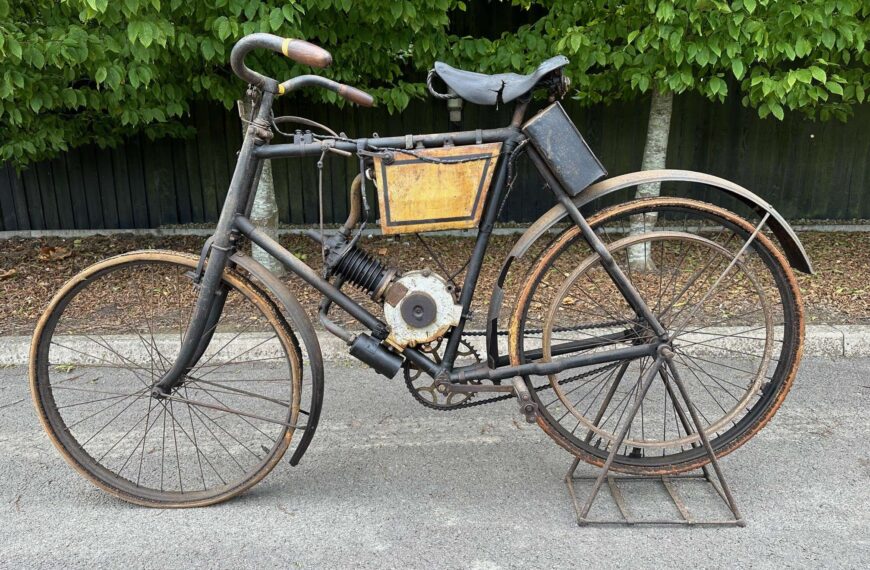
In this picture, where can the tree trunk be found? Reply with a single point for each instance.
(264, 213)
(655, 154)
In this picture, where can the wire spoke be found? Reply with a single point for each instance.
(196, 380)
(110, 406)
(193, 431)
(199, 416)
(127, 407)
(113, 364)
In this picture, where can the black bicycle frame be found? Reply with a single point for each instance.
(233, 223)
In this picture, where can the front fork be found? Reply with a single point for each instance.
(212, 294)
(217, 307)
(209, 306)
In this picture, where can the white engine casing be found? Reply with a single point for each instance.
(447, 312)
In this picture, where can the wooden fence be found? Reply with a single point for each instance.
(806, 169)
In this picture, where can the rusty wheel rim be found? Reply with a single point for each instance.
(163, 453)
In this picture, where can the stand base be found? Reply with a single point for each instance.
(668, 484)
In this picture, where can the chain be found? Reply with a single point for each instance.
(415, 390)
(575, 328)
(470, 404)
(473, 403)
(562, 382)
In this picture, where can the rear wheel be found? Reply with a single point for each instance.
(734, 315)
(111, 333)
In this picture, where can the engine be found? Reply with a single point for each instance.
(418, 306)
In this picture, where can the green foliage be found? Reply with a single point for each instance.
(779, 54)
(92, 71)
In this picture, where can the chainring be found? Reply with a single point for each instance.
(423, 387)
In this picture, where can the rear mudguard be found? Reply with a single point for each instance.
(301, 325)
(788, 240)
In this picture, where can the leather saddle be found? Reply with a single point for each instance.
(483, 89)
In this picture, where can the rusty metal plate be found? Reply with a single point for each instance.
(418, 196)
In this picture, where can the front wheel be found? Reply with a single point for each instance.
(107, 337)
(733, 312)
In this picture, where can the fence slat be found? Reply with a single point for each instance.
(8, 216)
(108, 187)
(182, 186)
(159, 183)
(136, 181)
(30, 179)
(194, 181)
(60, 188)
(51, 211)
(85, 171)
(19, 195)
(205, 158)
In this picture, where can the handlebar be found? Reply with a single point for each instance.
(352, 94)
(299, 51)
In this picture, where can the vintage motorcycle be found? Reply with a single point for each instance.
(157, 393)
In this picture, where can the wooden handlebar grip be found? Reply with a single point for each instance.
(356, 96)
(306, 53)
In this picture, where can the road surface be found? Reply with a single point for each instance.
(390, 484)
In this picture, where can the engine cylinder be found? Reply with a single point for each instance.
(365, 272)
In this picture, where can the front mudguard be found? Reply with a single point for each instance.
(788, 240)
(301, 325)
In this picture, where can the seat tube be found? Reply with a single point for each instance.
(477, 255)
(236, 201)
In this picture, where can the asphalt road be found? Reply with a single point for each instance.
(389, 484)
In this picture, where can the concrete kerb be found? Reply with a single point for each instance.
(833, 341)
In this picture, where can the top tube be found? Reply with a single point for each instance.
(288, 150)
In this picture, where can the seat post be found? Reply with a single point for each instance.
(520, 112)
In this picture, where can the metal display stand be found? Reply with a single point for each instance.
(667, 481)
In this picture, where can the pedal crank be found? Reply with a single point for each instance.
(524, 398)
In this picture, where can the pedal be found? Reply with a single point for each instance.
(527, 407)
